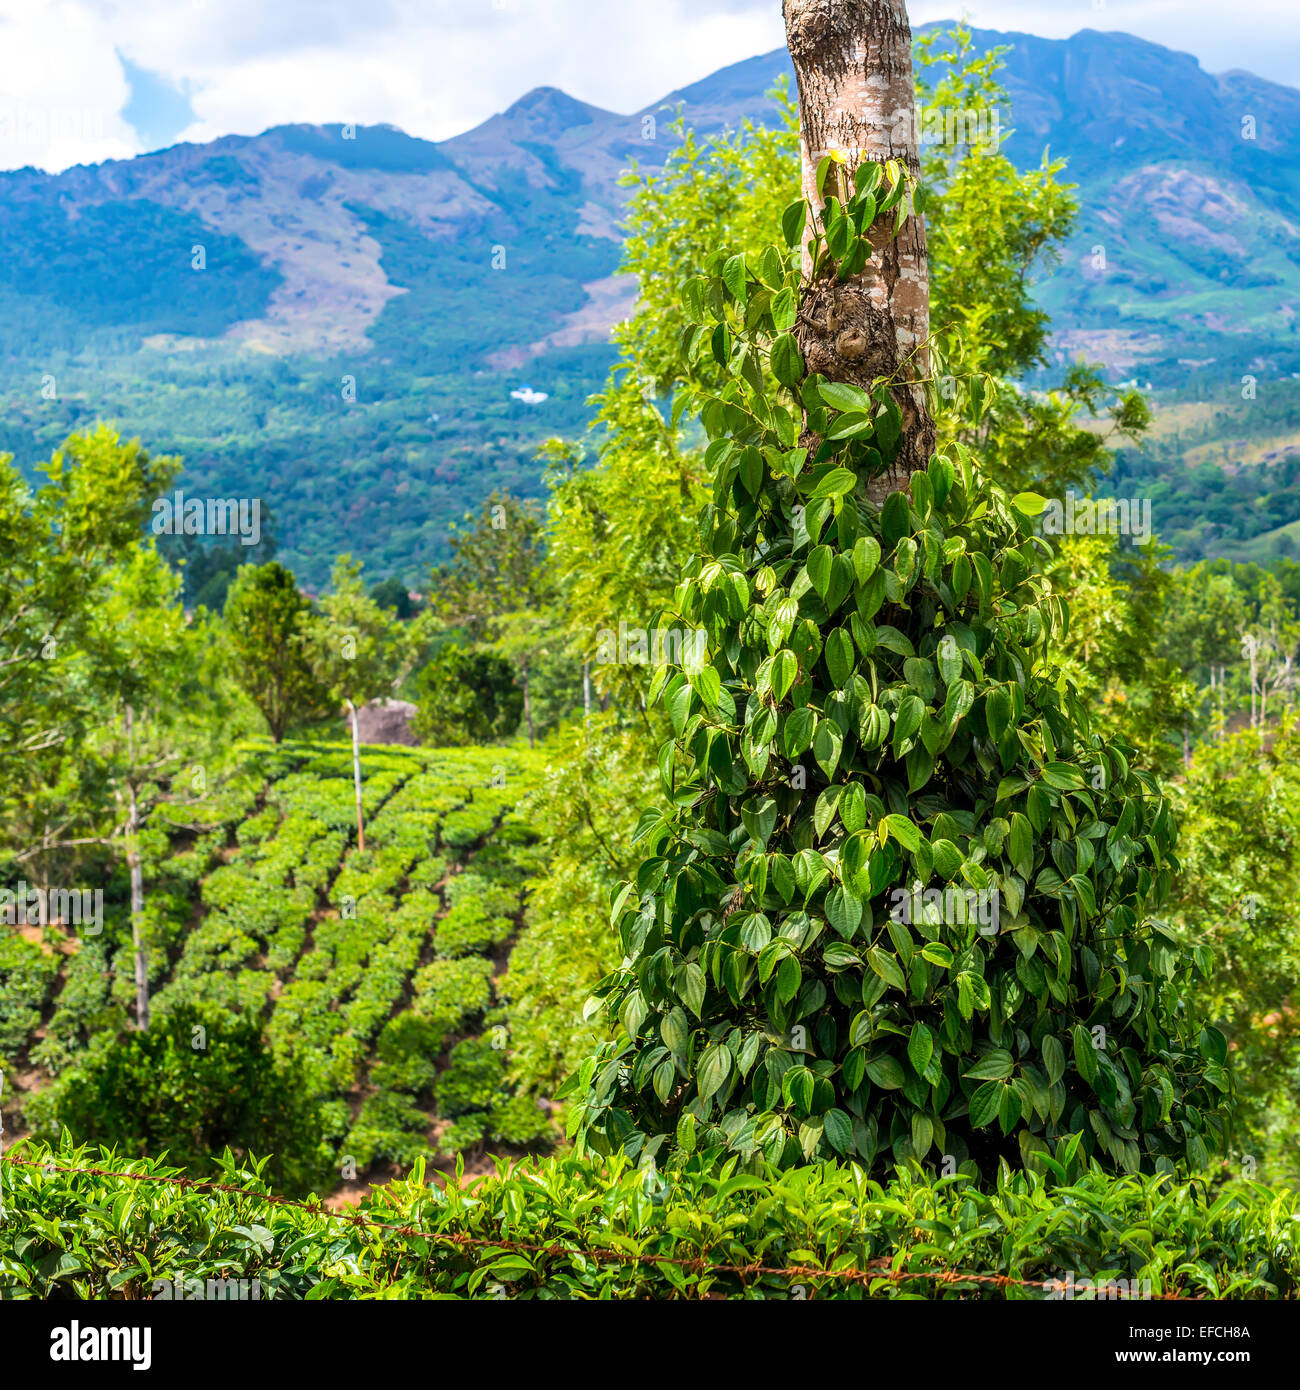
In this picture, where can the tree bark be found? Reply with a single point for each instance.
(136, 868)
(853, 65)
(1250, 651)
(528, 705)
(356, 774)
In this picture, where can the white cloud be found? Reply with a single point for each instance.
(436, 67)
(62, 87)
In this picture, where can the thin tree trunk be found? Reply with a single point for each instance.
(1253, 723)
(276, 719)
(356, 774)
(136, 868)
(853, 64)
(137, 925)
(586, 691)
(45, 858)
(528, 705)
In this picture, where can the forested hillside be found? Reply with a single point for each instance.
(335, 318)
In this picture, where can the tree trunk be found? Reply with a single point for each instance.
(528, 705)
(586, 691)
(853, 64)
(137, 927)
(136, 868)
(1253, 683)
(356, 774)
(276, 718)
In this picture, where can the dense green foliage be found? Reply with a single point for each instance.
(1222, 472)
(59, 548)
(581, 807)
(190, 1087)
(908, 654)
(906, 657)
(392, 594)
(620, 530)
(1239, 810)
(78, 1237)
(467, 697)
(138, 251)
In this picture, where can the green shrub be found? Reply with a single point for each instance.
(378, 870)
(473, 1080)
(467, 929)
(594, 773)
(389, 1126)
(1238, 886)
(472, 887)
(405, 1053)
(256, 828)
(514, 830)
(509, 865)
(449, 992)
(428, 872)
(519, 1121)
(26, 974)
(473, 1093)
(84, 1008)
(465, 828)
(145, 1092)
(467, 1132)
(467, 697)
(384, 981)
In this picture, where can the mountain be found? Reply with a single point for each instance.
(1188, 243)
(334, 318)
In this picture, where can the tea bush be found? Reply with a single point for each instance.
(450, 992)
(78, 1237)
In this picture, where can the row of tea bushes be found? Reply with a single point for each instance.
(606, 1231)
(368, 969)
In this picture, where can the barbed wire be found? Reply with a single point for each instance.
(605, 1254)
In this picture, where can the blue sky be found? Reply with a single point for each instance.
(158, 110)
(85, 80)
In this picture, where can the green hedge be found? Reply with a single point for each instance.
(93, 1237)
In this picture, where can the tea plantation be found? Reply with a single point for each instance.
(369, 974)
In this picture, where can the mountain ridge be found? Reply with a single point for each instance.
(325, 307)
